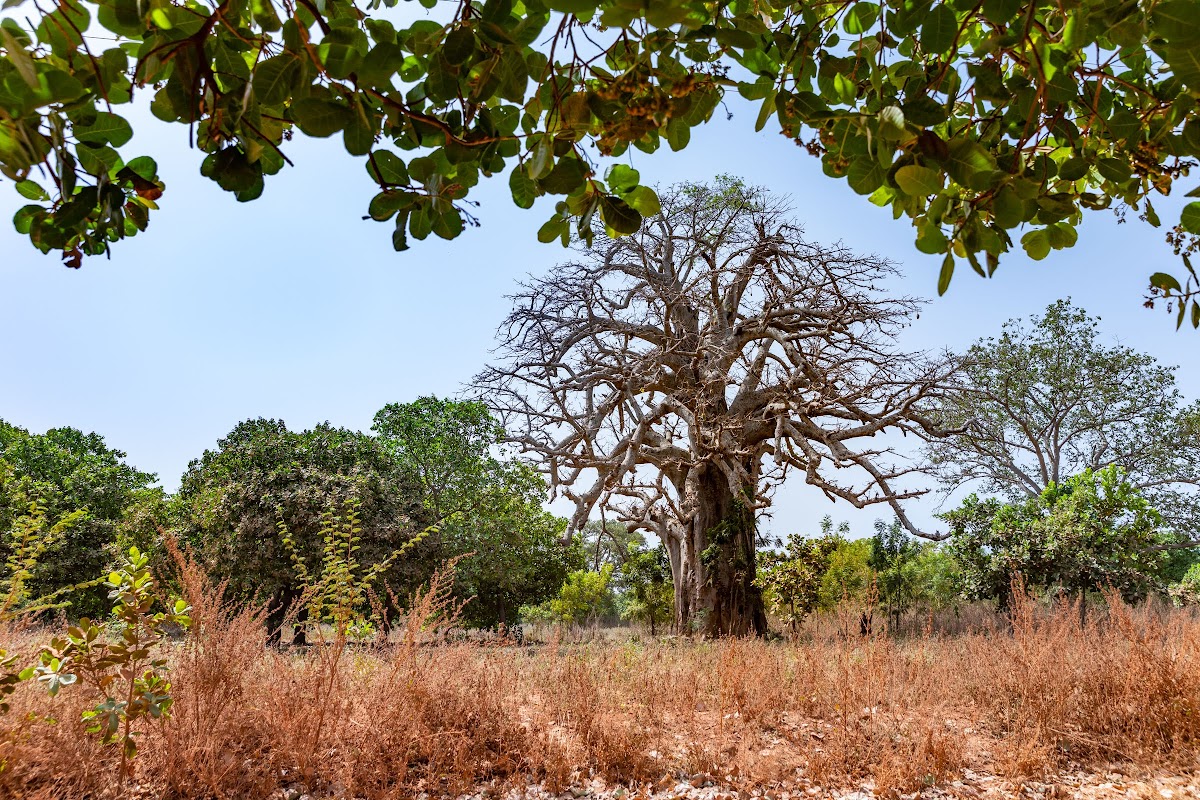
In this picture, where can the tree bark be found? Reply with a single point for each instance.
(713, 565)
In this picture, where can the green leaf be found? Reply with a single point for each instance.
(1008, 208)
(644, 200)
(1073, 169)
(1185, 63)
(567, 176)
(320, 118)
(1176, 21)
(1036, 244)
(144, 167)
(233, 172)
(860, 18)
(551, 230)
(1190, 217)
(945, 274)
(459, 46)
(19, 57)
(917, 181)
(387, 203)
(386, 168)
(618, 215)
(400, 235)
(1062, 235)
(925, 111)
(865, 175)
(1152, 215)
(541, 159)
(931, 239)
(576, 7)
(276, 78)
(939, 30)
(891, 124)
(1162, 280)
(448, 224)
(31, 191)
(339, 52)
(524, 189)
(679, 133)
(968, 161)
(1116, 170)
(108, 128)
(621, 177)
(359, 135)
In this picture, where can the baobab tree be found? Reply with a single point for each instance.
(676, 376)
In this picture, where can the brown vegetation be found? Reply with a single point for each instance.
(1021, 698)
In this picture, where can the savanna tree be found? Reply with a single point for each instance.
(645, 582)
(1048, 399)
(261, 480)
(485, 507)
(1090, 532)
(677, 375)
(791, 579)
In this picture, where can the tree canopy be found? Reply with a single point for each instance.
(66, 470)
(980, 121)
(1048, 399)
(1090, 532)
(234, 498)
(485, 505)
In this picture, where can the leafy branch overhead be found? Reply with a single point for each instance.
(989, 123)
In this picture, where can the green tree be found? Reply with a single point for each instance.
(849, 575)
(791, 579)
(486, 506)
(1047, 399)
(974, 120)
(66, 470)
(234, 498)
(514, 551)
(447, 447)
(893, 559)
(938, 577)
(26, 541)
(647, 595)
(584, 599)
(1093, 531)
(1187, 591)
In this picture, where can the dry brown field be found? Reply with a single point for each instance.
(1031, 704)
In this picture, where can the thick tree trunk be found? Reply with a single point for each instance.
(300, 629)
(276, 616)
(713, 564)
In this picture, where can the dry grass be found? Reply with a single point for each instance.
(1025, 698)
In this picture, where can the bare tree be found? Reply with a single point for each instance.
(675, 377)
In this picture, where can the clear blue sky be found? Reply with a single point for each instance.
(294, 307)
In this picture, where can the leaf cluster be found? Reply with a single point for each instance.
(988, 124)
(1093, 531)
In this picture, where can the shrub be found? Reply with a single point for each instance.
(125, 670)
